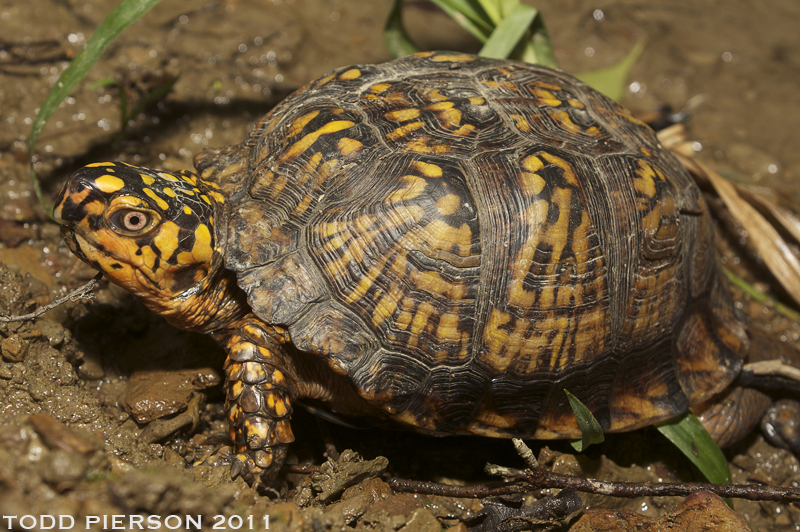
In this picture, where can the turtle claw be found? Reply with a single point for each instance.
(237, 466)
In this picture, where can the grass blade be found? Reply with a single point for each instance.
(395, 37)
(493, 9)
(591, 432)
(539, 48)
(120, 18)
(688, 434)
(509, 32)
(611, 80)
(469, 15)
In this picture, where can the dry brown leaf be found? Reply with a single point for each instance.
(766, 239)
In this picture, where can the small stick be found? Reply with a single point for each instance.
(82, 292)
(538, 477)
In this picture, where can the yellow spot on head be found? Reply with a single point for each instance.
(202, 251)
(353, 73)
(167, 239)
(148, 179)
(109, 183)
(96, 165)
(163, 205)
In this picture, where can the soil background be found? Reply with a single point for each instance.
(103, 406)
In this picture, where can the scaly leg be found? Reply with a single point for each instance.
(258, 402)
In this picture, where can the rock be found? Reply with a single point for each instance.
(697, 513)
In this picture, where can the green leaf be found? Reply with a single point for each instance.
(494, 10)
(538, 49)
(469, 15)
(395, 37)
(611, 80)
(688, 434)
(509, 32)
(591, 432)
(120, 18)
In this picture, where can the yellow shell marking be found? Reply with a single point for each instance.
(423, 145)
(645, 183)
(303, 144)
(97, 165)
(351, 74)
(439, 106)
(531, 184)
(147, 179)
(521, 123)
(428, 169)
(402, 131)
(448, 204)
(346, 146)
(569, 172)
(419, 323)
(402, 115)
(187, 210)
(496, 338)
(452, 58)
(168, 191)
(436, 96)
(109, 183)
(160, 202)
(562, 117)
(414, 187)
(386, 305)
(379, 88)
(300, 123)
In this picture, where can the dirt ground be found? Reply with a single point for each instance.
(103, 406)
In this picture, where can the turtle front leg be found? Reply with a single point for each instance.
(258, 385)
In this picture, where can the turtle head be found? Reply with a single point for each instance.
(149, 231)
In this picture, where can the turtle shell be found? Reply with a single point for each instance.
(463, 239)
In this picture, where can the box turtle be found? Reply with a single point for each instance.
(443, 243)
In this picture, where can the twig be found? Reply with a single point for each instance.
(478, 491)
(82, 292)
(535, 478)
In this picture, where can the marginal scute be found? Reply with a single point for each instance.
(333, 331)
(281, 291)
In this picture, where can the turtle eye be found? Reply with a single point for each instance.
(131, 221)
